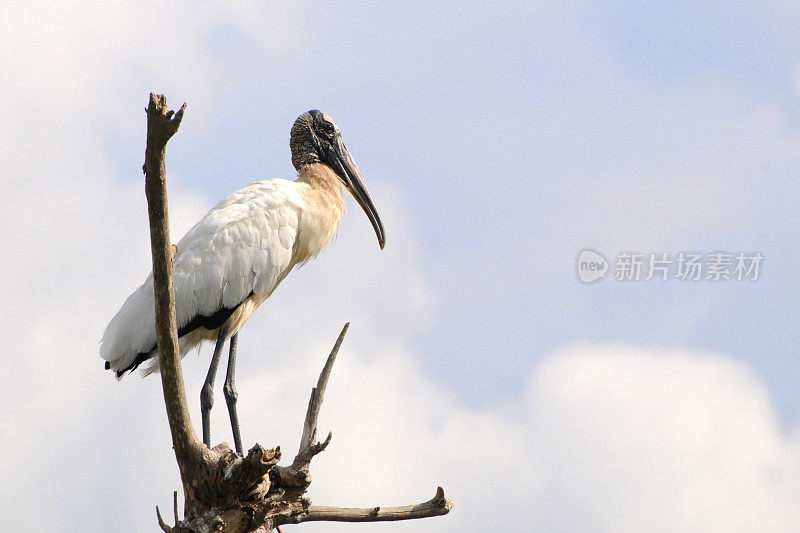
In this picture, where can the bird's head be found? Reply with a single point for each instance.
(315, 138)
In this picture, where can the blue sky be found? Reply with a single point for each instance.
(498, 140)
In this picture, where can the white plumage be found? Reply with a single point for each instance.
(243, 245)
(230, 262)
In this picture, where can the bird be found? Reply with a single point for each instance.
(232, 260)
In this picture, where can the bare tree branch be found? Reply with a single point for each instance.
(297, 474)
(436, 506)
(174, 506)
(223, 491)
(163, 525)
(162, 124)
(317, 393)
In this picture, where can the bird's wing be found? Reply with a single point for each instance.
(242, 246)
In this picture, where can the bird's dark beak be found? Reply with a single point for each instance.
(342, 162)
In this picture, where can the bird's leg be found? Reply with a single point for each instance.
(231, 396)
(207, 392)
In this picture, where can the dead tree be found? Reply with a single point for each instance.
(223, 491)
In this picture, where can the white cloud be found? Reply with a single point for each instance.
(636, 439)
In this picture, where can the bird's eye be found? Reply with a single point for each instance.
(327, 128)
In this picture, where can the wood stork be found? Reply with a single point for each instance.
(238, 253)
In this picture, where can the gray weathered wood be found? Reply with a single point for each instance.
(436, 506)
(162, 124)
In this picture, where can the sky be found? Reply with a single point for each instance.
(498, 140)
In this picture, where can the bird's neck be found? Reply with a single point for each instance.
(323, 204)
(323, 181)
